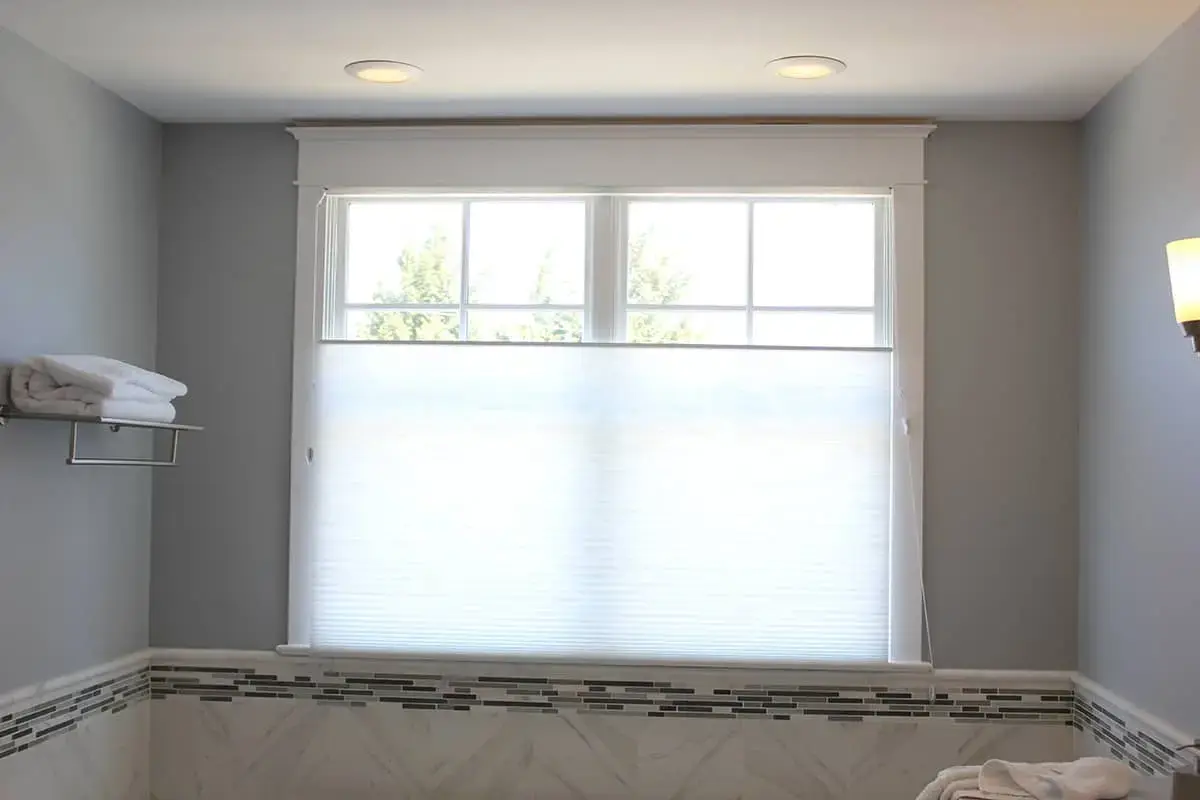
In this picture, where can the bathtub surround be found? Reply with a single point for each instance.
(249, 726)
(778, 696)
(1111, 726)
(56, 711)
(244, 725)
(81, 737)
(255, 750)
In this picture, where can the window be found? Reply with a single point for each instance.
(446, 269)
(781, 270)
(618, 424)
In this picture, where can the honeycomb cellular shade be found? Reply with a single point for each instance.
(664, 503)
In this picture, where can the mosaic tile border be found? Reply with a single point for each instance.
(1128, 739)
(553, 695)
(34, 721)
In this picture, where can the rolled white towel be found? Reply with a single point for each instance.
(107, 377)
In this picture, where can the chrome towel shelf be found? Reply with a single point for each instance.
(73, 458)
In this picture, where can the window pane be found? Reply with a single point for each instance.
(814, 329)
(402, 326)
(688, 252)
(525, 326)
(686, 327)
(814, 253)
(403, 251)
(528, 251)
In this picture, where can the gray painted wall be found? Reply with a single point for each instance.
(78, 259)
(1002, 271)
(1140, 409)
(226, 287)
(1003, 231)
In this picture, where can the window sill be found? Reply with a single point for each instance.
(891, 668)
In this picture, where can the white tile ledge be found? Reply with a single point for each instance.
(906, 675)
(75, 680)
(909, 675)
(303, 651)
(1132, 713)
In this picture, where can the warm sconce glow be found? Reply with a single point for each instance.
(1183, 262)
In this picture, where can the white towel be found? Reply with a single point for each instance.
(107, 377)
(1085, 779)
(31, 392)
(958, 789)
(45, 387)
(949, 779)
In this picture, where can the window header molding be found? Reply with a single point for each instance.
(360, 133)
(592, 157)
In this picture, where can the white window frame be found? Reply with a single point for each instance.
(339, 305)
(656, 159)
(605, 306)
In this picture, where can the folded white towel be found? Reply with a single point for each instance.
(1084, 779)
(30, 392)
(45, 387)
(107, 377)
(976, 794)
(958, 789)
(949, 779)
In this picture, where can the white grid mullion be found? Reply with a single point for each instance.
(451, 307)
(750, 272)
(620, 267)
(336, 239)
(605, 281)
(464, 289)
(883, 272)
(796, 309)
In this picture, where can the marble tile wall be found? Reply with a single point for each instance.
(256, 749)
(228, 736)
(84, 737)
(228, 726)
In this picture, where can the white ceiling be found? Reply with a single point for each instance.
(210, 60)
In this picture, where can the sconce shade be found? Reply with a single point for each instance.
(1183, 262)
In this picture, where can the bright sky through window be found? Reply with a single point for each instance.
(732, 270)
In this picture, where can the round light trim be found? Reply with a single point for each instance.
(392, 72)
(806, 68)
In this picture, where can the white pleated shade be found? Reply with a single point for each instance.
(601, 502)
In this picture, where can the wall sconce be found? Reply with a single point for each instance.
(1183, 263)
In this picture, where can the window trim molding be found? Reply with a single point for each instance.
(908, 607)
(655, 158)
(587, 130)
(847, 157)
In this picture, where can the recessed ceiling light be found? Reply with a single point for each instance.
(806, 68)
(383, 71)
